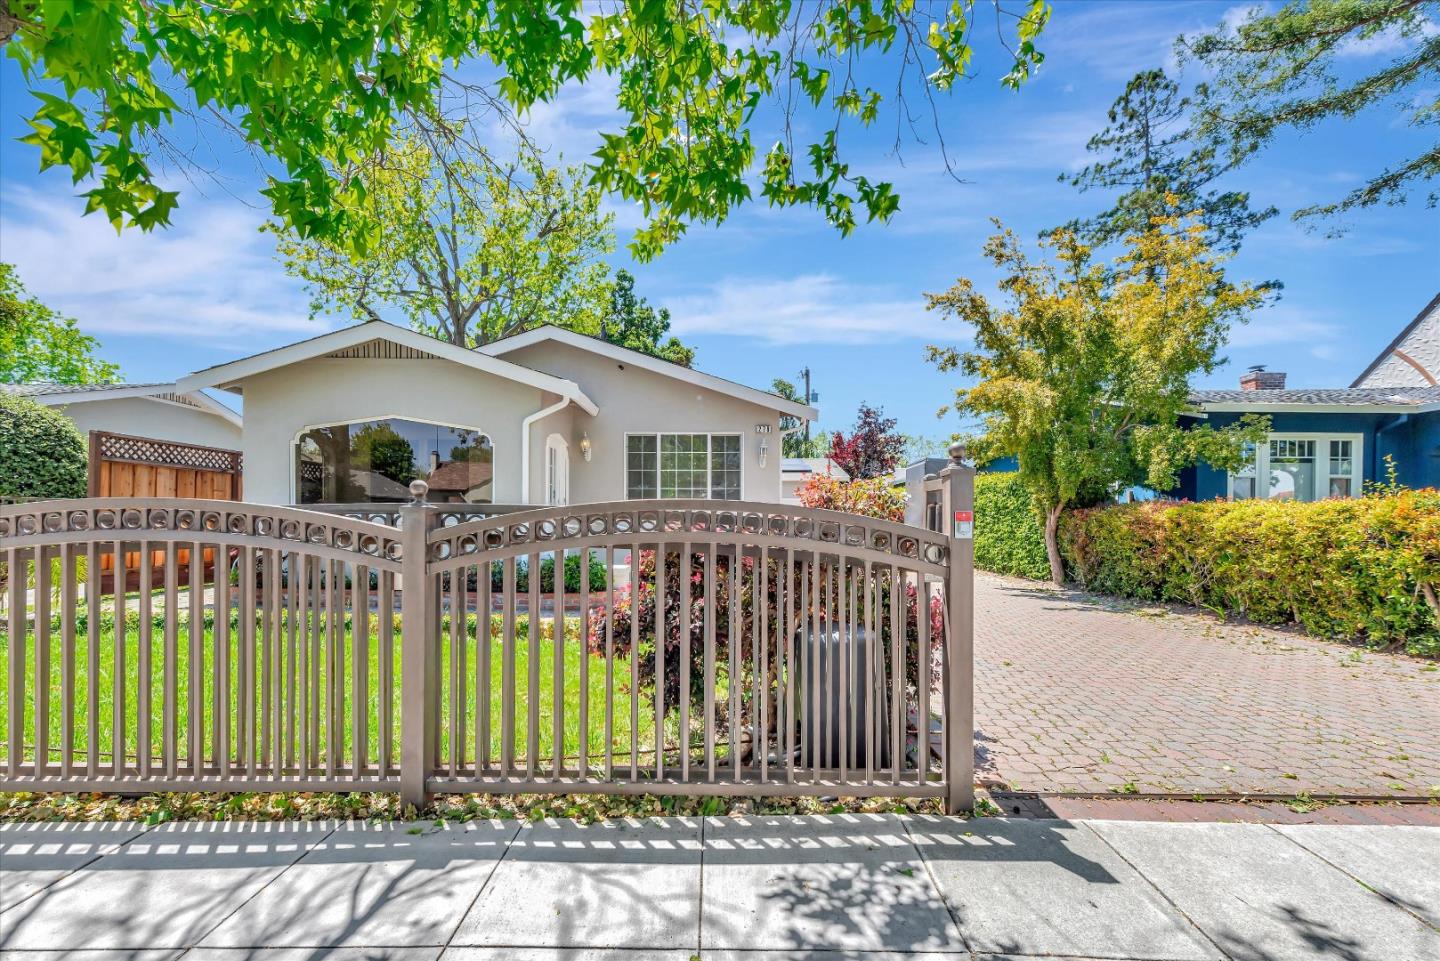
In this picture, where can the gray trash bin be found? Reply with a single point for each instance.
(850, 712)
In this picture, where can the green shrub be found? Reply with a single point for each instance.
(41, 452)
(1009, 538)
(1365, 568)
(547, 574)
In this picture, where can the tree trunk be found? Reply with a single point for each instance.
(1052, 544)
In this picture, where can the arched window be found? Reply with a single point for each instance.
(375, 461)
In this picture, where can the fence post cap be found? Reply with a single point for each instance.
(418, 490)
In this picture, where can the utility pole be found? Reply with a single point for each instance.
(806, 375)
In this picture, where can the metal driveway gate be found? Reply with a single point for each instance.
(803, 651)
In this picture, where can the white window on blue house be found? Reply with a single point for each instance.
(699, 466)
(1242, 482)
(1302, 467)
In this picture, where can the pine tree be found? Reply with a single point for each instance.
(1290, 69)
(631, 322)
(1148, 151)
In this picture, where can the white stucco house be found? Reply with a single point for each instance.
(544, 417)
(162, 411)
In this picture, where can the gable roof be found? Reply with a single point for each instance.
(349, 341)
(56, 395)
(1355, 400)
(1400, 339)
(42, 389)
(651, 363)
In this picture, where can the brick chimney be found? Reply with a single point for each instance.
(1258, 378)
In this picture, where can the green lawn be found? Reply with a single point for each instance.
(105, 674)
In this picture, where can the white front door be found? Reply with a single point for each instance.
(557, 471)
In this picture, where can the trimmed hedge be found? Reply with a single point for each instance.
(41, 452)
(1009, 538)
(1364, 568)
(547, 575)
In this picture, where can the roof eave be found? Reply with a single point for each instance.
(110, 393)
(213, 406)
(229, 376)
(1258, 408)
(204, 403)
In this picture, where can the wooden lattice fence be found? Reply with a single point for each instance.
(122, 465)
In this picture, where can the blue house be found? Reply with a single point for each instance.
(1331, 442)
(1327, 442)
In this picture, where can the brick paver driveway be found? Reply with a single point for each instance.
(1079, 693)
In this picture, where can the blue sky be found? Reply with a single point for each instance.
(769, 292)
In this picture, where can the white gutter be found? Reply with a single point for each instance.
(525, 425)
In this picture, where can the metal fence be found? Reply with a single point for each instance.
(797, 651)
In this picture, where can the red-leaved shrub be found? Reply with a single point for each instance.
(774, 574)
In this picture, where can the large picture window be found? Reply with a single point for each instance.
(695, 466)
(375, 461)
(1301, 467)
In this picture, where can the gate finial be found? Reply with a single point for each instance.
(418, 490)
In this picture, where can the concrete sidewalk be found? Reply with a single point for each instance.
(844, 886)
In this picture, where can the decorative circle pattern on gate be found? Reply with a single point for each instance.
(699, 521)
(365, 542)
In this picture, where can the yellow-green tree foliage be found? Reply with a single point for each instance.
(470, 249)
(1083, 371)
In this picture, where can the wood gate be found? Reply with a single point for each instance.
(121, 465)
(755, 649)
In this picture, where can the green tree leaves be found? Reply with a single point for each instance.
(318, 88)
(41, 452)
(793, 442)
(631, 322)
(38, 344)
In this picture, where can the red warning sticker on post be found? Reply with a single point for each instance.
(965, 524)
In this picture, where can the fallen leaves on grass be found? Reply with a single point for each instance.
(197, 806)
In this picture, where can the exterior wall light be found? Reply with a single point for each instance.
(585, 449)
(763, 451)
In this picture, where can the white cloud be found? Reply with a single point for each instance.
(1388, 42)
(1116, 41)
(1236, 17)
(1281, 324)
(807, 309)
(569, 125)
(1051, 141)
(211, 276)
